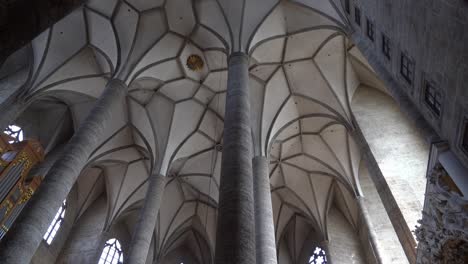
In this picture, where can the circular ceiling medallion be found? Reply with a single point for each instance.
(195, 62)
(219, 147)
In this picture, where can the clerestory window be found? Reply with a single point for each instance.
(318, 256)
(357, 15)
(370, 30)
(433, 98)
(407, 68)
(56, 223)
(465, 136)
(112, 253)
(386, 47)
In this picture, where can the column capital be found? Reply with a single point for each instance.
(238, 56)
(118, 83)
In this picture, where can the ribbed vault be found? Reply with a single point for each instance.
(303, 72)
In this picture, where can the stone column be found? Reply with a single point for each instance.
(370, 230)
(264, 227)
(23, 239)
(235, 233)
(144, 229)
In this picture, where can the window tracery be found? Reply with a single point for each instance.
(56, 223)
(112, 253)
(318, 256)
(15, 132)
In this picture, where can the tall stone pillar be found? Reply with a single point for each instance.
(144, 229)
(235, 234)
(22, 240)
(264, 227)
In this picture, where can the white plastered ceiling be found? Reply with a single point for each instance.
(303, 71)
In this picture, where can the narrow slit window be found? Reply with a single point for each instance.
(370, 30)
(347, 6)
(357, 15)
(433, 98)
(465, 136)
(55, 225)
(407, 68)
(386, 47)
(112, 253)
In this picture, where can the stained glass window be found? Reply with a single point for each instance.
(112, 253)
(318, 256)
(55, 225)
(15, 132)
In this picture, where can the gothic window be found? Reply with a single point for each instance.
(370, 30)
(407, 68)
(112, 253)
(433, 98)
(357, 15)
(15, 132)
(386, 47)
(347, 6)
(318, 256)
(55, 225)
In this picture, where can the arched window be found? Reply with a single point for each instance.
(15, 132)
(112, 253)
(318, 257)
(55, 225)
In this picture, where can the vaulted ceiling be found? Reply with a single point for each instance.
(303, 71)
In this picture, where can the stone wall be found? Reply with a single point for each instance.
(398, 148)
(47, 254)
(344, 245)
(388, 244)
(87, 238)
(433, 35)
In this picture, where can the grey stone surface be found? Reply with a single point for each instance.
(47, 254)
(235, 229)
(369, 230)
(433, 34)
(344, 244)
(396, 155)
(19, 245)
(144, 228)
(264, 227)
(12, 85)
(87, 238)
(391, 250)
(325, 245)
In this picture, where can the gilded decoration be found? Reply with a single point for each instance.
(444, 223)
(195, 63)
(28, 154)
